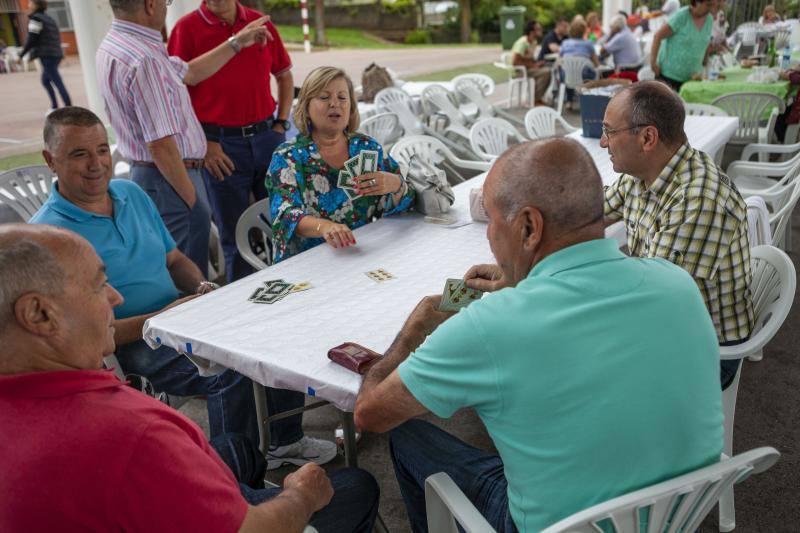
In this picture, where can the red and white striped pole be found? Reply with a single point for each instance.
(304, 15)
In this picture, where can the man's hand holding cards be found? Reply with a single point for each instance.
(457, 295)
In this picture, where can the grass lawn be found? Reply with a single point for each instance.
(498, 75)
(21, 160)
(351, 38)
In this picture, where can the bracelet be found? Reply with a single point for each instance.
(202, 284)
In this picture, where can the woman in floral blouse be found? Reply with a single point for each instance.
(307, 207)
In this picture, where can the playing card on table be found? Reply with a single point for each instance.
(272, 291)
(369, 161)
(302, 286)
(380, 275)
(457, 295)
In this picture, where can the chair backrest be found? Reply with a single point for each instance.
(783, 201)
(490, 137)
(25, 189)
(255, 217)
(645, 74)
(573, 67)
(471, 92)
(427, 148)
(679, 504)
(748, 32)
(485, 82)
(772, 289)
(436, 99)
(750, 108)
(758, 221)
(704, 110)
(540, 122)
(385, 98)
(383, 127)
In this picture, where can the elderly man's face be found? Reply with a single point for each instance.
(81, 158)
(506, 237)
(86, 308)
(621, 141)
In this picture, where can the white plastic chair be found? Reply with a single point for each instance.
(436, 101)
(518, 81)
(572, 68)
(540, 122)
(255, 217)
(781, 200)
(772, 287)
(399, 102)
(25, 189)
(383, 127)
(434, 152)
(490, 137)
(485, 82)
(471, 92)
(678, 504)
(750, 107)
(759, 231)
(753, 175)
(704, 110)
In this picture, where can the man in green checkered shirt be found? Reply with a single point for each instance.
(678, 205)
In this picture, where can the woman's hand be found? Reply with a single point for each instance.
(378, 184)
(337, 235)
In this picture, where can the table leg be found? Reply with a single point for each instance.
(262, 414)
(349, 428)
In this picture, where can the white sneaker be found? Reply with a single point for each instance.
(301, 452)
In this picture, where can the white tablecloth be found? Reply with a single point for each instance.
(285, 345)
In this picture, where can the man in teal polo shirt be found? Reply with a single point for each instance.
(594, 373)
(142, 262)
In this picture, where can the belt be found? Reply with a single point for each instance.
(188, 163)
(238, 131)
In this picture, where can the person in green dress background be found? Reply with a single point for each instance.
(307, 207)
(680, 46)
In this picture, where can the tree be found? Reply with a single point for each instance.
(466, 20)
(319, 23)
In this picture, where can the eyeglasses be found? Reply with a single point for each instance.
(169, 3)
(608, 132)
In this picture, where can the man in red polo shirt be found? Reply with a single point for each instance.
(237, 111)
(81, 451)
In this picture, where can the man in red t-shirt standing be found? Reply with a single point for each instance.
(113, 458)
(237, 111)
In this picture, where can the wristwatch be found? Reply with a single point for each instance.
(283, 123)
(206, 286)
(234, 42)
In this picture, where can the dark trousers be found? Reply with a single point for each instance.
(420, 449)
(50, 78)
(355, 492)
(728, 368)
(675, 84)
(231, 406)
(190, 227)
(230, 197)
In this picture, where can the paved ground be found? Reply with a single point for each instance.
(23, 102)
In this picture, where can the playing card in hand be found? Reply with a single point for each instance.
(457, 295)
(353, 166)
(369, 161)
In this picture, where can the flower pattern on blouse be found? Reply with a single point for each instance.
(301, 183)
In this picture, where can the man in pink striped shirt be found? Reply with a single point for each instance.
(147, 101)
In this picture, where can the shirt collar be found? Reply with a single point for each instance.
(683, 153)
(57, 383)
(577, 255)
(149, 34)
(213, 20)
(63, 206)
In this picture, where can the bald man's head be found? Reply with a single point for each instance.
(557, 176)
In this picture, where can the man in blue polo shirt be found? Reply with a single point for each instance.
(144, 265)
(594, 373)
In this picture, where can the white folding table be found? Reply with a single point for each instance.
(285, 345)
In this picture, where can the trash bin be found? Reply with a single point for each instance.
(512, 23)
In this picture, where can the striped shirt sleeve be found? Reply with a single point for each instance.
(153, 100)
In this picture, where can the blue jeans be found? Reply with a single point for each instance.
(230, 197)
(51, 77)
(420, 449)
(355, 492)
(190, 227)
(231, 406)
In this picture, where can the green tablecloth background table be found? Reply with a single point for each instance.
(704, 92)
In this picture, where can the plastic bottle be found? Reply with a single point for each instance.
(713, 68)
(786, 58)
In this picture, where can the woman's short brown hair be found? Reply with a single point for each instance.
(315, 83)
(577, 29)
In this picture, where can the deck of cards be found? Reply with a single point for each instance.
(457, 295)
(364, 163)
(276, 289)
